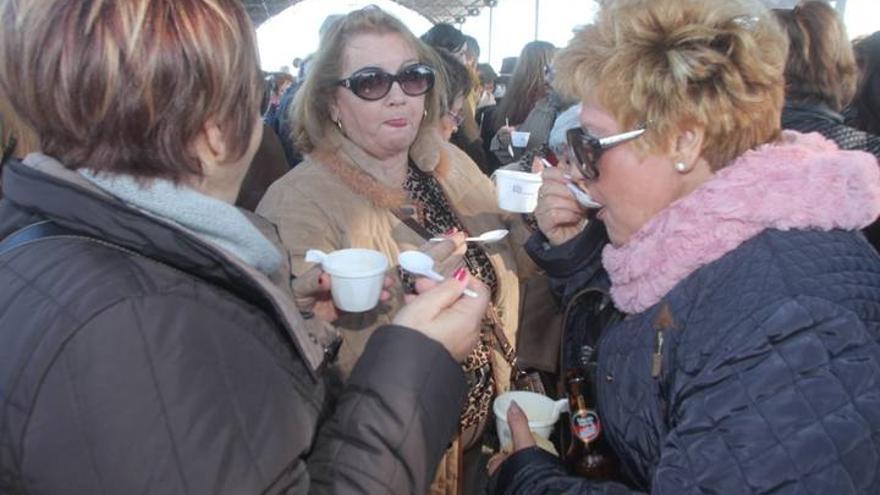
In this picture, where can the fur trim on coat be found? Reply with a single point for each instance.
(801, 182)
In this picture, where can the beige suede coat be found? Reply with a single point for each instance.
(336, 200)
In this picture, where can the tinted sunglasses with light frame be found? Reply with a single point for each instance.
(373, 83)
(587, 149)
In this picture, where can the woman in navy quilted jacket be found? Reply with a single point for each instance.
(749, 360)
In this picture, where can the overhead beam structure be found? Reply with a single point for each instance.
(451, 11)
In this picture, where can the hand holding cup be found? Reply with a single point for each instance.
(312, 293)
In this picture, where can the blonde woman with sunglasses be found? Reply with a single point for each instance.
(747, 359)
(378, 174)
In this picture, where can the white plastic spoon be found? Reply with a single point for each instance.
(579, 194)
(315, 256)
(509, 147)
(419, 263)
(582, 197)
(487, 237)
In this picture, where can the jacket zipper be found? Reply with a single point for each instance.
(657, 362)
(662, 322)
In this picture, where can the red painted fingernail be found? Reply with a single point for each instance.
(460, 274)
(450, 231)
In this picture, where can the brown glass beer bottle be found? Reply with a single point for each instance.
(589, 455)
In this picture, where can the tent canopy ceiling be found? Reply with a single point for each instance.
(442, 10)
(434, 10)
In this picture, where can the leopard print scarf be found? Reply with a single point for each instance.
(435, 214)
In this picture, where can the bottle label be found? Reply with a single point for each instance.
(585, 425)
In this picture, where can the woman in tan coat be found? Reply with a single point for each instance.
(378, 175)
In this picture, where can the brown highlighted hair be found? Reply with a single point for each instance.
(821, 66)
(126, 86)
(715, 64)
(311, 109)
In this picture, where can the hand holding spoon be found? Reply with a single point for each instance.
(579, 194)
(419, 263)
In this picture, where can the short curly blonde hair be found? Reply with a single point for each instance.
(715, 64)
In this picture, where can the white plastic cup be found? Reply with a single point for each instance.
(519, 139)
(357, 277)
(517, 191)
(541, 411)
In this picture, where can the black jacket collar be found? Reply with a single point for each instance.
(800, 111)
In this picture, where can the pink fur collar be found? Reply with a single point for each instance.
(800, 182)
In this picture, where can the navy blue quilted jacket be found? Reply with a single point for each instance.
(770, 362)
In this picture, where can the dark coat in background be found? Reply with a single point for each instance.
(281, 123)
(267, 166)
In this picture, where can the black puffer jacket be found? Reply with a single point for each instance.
(806, 117)
(577, 276)
(155, 363)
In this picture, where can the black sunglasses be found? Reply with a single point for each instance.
(373, 83)
(587, 149)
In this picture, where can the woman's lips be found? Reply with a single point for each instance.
(397, 122)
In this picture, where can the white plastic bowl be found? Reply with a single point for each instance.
(541, 410)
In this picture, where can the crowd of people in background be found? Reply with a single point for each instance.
(166, 328)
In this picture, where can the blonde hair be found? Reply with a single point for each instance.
(716, 64)
(821, 66)
(126, 86)
(311, 109)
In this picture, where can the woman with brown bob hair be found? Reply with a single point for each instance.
(379, 175)
(821, 75)
(151, 338)
(821, 78)
(748, 358)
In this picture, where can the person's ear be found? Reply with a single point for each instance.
(687, 149)
(209, 145)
